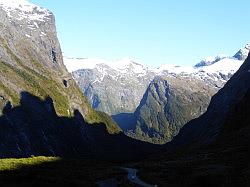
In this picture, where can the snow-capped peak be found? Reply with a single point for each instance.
(126, 64)
(214, 68)
(210, 60)
(243, 53)
(23, 9)
(223, 66)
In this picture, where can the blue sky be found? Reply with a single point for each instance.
(153, 32)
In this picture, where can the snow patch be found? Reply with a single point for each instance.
(127, 65)
(24, 10)
(123, 66)
(170, 68)
(73, 64)
(227, 65)
(35, 23)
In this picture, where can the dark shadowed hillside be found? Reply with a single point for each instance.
(34, 128)
(205, 129)
(212, 150)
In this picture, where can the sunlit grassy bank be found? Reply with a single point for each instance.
(17, 163)
(55, 171)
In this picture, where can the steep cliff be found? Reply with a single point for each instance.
(35, 88)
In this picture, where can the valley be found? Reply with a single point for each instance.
(152, 104)
(92, 122)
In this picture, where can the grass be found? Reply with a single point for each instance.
(54, 171)
(13, 95)
(17, 163)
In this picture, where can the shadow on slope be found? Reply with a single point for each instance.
(204, 130)
(34, 128)
(212, 150)
(225, 162)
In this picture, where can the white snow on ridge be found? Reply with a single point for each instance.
(170, 68)
(24, 10)
(212, 67)
(126, 66)
(73, 64)
(227, 65)
(211, 59)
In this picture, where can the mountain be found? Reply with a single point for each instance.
(113, 89)
(212, 150)
(167, 105)
(182, 94)
(43, 111)
(132, 92)
(210, 60)
(224, 110)
(242, 53)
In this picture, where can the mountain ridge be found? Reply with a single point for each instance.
(204, 129)
(74, 64)
(118, 89)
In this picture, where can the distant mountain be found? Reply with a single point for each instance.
(168, 104)
(210, 60)
(113, 89)
(95, 75)
(123, 88)
(212, 150)
(225, 116)
(242, 53)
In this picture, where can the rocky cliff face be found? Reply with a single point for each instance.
(30, 51)
(42, 109)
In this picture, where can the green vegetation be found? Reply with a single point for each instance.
(33, 77)
(166, 111)
(54, 171)
(38, 85)
(17, 163)
(14, 97)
